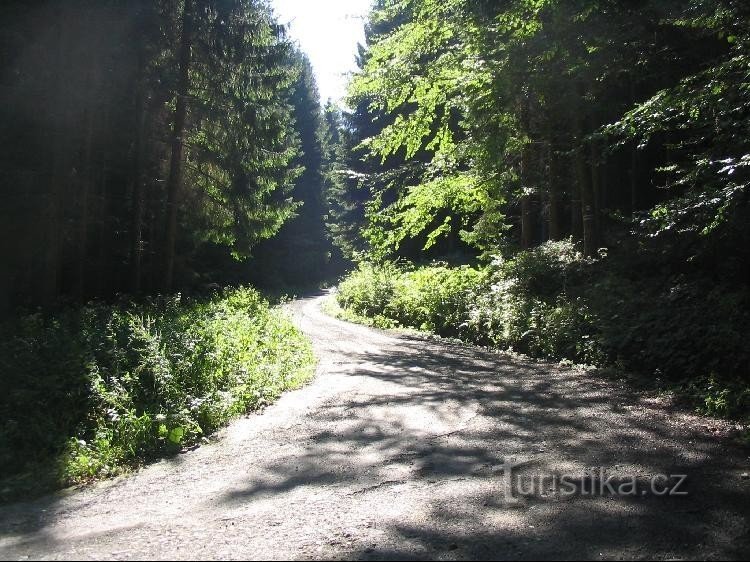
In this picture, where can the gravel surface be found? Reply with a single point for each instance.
(397, 450)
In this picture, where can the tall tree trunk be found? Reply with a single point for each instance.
(584, 179)
(527, 222)
(174, 184)
(152, 254)
(8, 272)
(51, 251)
(633, 179)
(633, 160)
(102, 249)
(103, 278)
(527, 218)
(136, 244)
(554, 230)
(587, 200)
(576, 217)
(603, 194)
(595, 187)
(555, 224)
(93, 81)
(136, 234)
(50, 282)
(5, 288)
(83, 205)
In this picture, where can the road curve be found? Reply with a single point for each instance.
(397, 450)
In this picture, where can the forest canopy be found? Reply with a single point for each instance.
(523, 121)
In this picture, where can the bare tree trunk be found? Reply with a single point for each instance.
(633, 161)
(555, 229)
(103, 279)
(576, 216)
(136, 247)
(633, 179)
(5, 287)
(101, 245)
(527, 223)
(584, 179)
(603, 195)
(174, 185)
(8, 272)
(51, 251)
(83, 205)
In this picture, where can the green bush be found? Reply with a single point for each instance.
(369, 290)
(100, 388)
(553, 303)
(526, 306)
(435, 298)
(545, 271)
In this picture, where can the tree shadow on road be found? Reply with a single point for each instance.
(444, 417)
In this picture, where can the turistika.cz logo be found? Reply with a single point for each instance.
(596, 482)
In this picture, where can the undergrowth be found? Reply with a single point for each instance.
(553, 303)
(91, 392)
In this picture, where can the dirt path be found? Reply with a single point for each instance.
(396, 451)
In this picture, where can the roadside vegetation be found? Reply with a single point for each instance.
(93, 391)
(553, 303)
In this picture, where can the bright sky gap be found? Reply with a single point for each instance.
(328, 32)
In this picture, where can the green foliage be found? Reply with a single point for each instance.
(552, 302)
(705, 121)
(527, 306)
(300, 252)
(370, 289)
(103, 387)
(435, 298)
(344, 193)
(88, 100)
(415, 74)
(720, 398)
(413, 216)
(621, 125)
(242, 151)
(544, 271)
(678, 328)
(500, 100)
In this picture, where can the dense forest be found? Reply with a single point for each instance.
(149, 146)
(568, 180)
(577, 172)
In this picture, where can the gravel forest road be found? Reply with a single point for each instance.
(396, 451)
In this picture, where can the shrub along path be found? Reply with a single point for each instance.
(396, 451)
